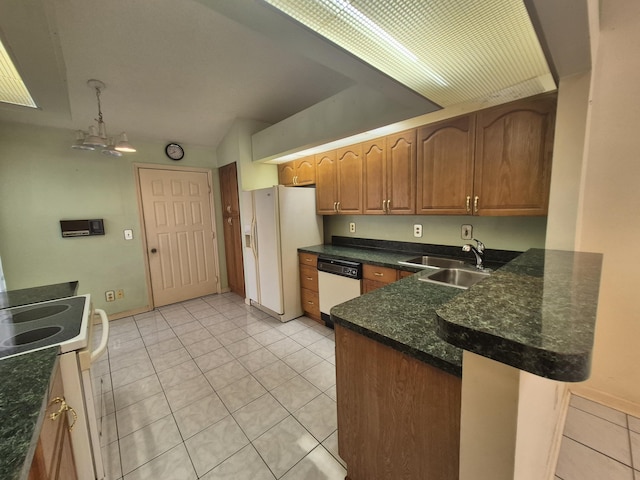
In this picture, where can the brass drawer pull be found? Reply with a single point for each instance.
(475, 203)
(64, 407)
(378, 274)
(309, 278)
(468, 203)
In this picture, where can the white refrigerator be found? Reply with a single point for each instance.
(276, 222)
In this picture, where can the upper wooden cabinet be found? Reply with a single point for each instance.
(339, 181)
(514, 148)
(389, 174)
(494, 162)
(297, 172)
(445, 167)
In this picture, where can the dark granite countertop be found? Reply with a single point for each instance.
(25, 296)
(24, 387)
(23, 395)
(537, 313)
(402, 316)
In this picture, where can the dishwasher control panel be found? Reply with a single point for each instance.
(343, 268)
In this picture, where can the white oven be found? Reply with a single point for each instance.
(67, 323)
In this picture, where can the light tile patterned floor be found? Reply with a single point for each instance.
(599, 443)
(214, 389)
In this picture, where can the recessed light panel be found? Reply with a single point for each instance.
(448, 51)
(12, 88)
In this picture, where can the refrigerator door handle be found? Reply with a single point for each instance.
(254, 238)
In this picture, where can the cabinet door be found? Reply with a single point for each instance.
(229, 189)
(350, 180)
(514, 145)
(374, 156)
(401, 173)
(445, 167)
(306, 171)
(326, 188)
(286, 172)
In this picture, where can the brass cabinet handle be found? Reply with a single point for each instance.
(468, 203)
(384, 208)
(309, 302)
(475, 203)
(378, 274)
(295, 180)
(335, 207)
(228, 208)
(229, 221)
(64, 407)
(338, 207)
(388, 206)
(309, 278)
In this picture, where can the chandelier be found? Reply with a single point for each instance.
(96, 138)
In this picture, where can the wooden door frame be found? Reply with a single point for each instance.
(143, 230)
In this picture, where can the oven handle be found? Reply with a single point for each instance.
(105, 335)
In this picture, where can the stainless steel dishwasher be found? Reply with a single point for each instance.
(338, 281)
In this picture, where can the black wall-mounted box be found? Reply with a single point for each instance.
(81, 228)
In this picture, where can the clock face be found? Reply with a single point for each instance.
(174, 151)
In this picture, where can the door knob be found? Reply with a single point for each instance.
(154, 250)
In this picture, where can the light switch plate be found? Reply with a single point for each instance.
(466, 232)
(417, 230)
(128, 234)
(352, 227)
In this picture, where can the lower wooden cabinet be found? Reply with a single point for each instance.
(309, 285)
(374, 277)
(53, 458)
(398, 417)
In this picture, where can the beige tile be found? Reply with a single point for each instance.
(203, 346)
(142, 413)
(226, 374)
(302, 360)
(179, 374)
(307, 336)
(319, 417)
(324, 348)
(188, 392)
(259, 416)
(331, 392)
(579, 462)
(243, 347)
(109, 432)
(322, 375)
(331, 444)
(132, 373)
(284, 445)
(172, 465)
(244, 465)
(164, 346)
(123, 345)
(191, 326)
(200, 414)
(318, 465)
(221, 327)
(170, 359)
(195, 336)
(599, 410)
(290, 328)
(275, 375)
(232, 336)
(134, 392)
(125, 360)
(111, 460)
(212, 320)
(634, 423)
(284, 347)
(160, 336)
(215, 444)
(213, 359)
(634, 438)
(240, 393)
(599, 434)
(295, 393)
(258, 359)
(148, 443)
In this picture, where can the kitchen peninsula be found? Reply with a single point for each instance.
(403, 418)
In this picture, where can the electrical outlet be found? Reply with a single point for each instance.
(110, 295)
(128, 234)
(352, 227)
(466, 232)
(119, 294)
(417, 230)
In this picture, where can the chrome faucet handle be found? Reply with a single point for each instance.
(481, 246)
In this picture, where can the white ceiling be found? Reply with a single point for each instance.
(181, 70)
(175, 70)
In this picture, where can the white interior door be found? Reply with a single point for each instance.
(177, 209)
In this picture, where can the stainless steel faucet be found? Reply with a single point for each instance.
(477, 251)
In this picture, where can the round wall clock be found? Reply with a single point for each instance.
(174, 151)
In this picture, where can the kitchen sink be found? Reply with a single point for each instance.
(455, 277)
(427, 261)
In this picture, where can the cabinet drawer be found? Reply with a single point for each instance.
(308, 259)
(310, 302)
(379, 274)
(309, 278)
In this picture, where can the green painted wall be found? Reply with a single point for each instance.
(504, 233)
(43, 181)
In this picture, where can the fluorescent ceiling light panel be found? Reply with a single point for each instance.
(448, 51)
(12, 88)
